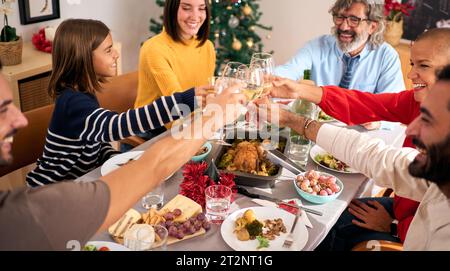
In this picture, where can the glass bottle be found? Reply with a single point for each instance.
(300, 145)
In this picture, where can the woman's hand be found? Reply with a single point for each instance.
(284, 88)
(372, 125)
(202, 92)
(287, 89)
(226, 104)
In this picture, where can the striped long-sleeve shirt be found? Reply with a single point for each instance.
(80, 132)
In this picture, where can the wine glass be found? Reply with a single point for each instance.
(265, 61)
(255, 81)
(267, 64)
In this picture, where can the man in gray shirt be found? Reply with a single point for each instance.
(50, 217)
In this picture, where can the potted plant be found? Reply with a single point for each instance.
(10, 44)
(394, 12)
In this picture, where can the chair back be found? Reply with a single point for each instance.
(119, 93)
(29, 141)
(378, 245)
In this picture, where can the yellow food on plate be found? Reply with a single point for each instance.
(249, 216)
(124, 223)
(153, 217)
(188, 207)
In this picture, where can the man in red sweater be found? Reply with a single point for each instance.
(377, 218)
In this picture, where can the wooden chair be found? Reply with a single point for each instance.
(375, 245)
(118, 95)
(29, 142)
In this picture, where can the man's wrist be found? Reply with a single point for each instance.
(394, 228)
(297, 123)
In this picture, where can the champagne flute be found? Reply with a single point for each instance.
(232, 73)
(253, 76)
(267, 64)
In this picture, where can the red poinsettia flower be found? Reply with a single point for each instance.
(195, 182)
(227, 179)
(40, 42)
(393, 9)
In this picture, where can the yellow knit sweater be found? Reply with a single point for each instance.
(166, 66)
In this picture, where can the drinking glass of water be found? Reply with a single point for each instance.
(218, 200)
(300, 146)
(154, 198)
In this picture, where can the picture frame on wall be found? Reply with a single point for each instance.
(35, 11)
(427, 14)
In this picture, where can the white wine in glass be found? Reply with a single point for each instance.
(267, 64)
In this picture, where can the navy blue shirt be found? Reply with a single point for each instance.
(80, 132)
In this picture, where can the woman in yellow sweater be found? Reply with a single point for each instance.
(179, 58)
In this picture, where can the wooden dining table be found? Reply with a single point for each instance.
(355, 186)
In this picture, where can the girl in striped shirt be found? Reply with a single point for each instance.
(80, 131)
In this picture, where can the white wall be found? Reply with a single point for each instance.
(294, 22)
(129, 21)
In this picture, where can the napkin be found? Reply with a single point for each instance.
(267, 203)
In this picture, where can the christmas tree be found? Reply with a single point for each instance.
(233, 25)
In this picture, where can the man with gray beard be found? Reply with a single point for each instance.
(355, 56)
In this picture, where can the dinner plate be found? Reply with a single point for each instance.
(263, 213)
(111, 245)
(327, 121)
(114, 162)
(316, 150)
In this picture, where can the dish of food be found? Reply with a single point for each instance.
(323, 117)
(248, 156)
(318, 187)
(316, 183)
(202, 153)
(326, 160)
(104, 246)
(182, 217)
(203, 150)
(120, 160)
(269, 227)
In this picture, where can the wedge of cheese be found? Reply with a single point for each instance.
(188, 207)
(124, 223)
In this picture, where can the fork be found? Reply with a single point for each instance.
(290, 238)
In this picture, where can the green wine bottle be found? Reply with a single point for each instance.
(302, 107)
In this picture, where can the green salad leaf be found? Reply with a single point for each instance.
(263, 242)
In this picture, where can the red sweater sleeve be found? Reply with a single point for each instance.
(356, 107)
(404, 211)
(403, 226)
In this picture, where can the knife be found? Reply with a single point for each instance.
(245, 192)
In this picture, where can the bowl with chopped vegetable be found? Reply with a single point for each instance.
(202, 153)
